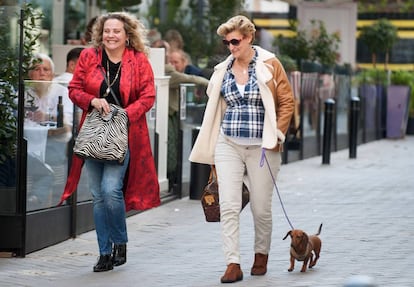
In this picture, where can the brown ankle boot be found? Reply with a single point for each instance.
(232, 274)
(260, 264)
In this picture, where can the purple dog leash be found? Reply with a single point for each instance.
(262, 160)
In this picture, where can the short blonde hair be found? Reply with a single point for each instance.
(134, 29)
(237, 23)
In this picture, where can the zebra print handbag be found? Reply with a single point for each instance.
(104, 137)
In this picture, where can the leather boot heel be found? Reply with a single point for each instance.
(104, 264)
(233, 274)
(119, 254)
(260, 264)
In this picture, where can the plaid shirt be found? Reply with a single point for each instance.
(244, 115)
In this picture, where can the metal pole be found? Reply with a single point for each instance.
(74, 197)
(180, 161)
(327, 130)
(181, 115)
(353, 126)
(301, 123)
(21, 207)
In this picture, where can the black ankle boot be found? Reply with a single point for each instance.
(104, 264)
(119, 255)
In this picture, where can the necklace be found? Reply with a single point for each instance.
(242, 65)
(240, 71)
(240, 68)
(108, 90)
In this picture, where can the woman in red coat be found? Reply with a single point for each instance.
(119, 52)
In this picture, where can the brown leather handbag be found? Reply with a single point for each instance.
(210, 197)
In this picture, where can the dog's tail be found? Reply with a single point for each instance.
(319, 230)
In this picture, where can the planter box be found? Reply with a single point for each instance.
(397, 110)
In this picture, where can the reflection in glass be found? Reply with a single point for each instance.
(47, 145)
(310, 99)
(343, 86)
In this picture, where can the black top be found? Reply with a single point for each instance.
(113, 69)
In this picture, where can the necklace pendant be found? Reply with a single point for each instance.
(108, 90)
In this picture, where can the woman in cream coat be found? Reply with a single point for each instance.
(246, 118)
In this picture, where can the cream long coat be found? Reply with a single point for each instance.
(277, 100)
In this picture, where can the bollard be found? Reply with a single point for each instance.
(353, 126)
(327, 130)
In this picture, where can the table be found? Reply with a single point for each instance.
(36, 136)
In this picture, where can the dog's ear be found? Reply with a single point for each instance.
(287, 234)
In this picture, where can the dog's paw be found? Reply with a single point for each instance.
(290, 269)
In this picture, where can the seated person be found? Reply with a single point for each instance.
(47, 167)
(174, 39)
(42, 95)
(176, 78)
(182, 63)
(71, 60)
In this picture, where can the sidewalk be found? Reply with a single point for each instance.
(366, 206)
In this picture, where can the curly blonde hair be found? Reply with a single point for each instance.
(135, 30)
(237, 23)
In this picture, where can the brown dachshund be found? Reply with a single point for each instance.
(302, 248)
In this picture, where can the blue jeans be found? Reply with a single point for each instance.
(105, 183)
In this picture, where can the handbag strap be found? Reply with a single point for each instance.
(213, 173)
(110, 89)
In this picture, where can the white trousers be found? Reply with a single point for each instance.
(235, 164)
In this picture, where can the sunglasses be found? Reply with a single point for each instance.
(234, 42)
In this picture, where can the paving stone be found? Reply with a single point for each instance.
(365, 205)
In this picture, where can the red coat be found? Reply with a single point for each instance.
(137, 88)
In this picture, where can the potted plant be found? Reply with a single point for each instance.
(323, 46)
(379, 37)
(398, 98)
(296, 47)
(371, 84)
(9, 82)
(288, 63)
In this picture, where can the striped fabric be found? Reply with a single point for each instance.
(294, 79)
(309, 85)
(104, 138)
